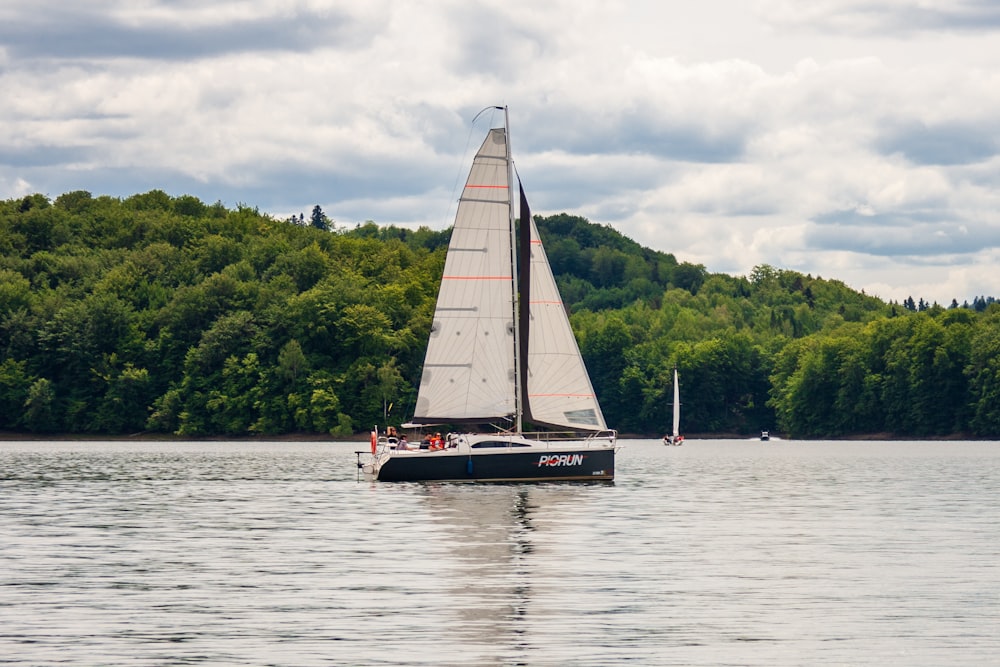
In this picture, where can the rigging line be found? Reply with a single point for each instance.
(449, 214)
(453, 199)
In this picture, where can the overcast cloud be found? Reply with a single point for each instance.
(852, 140)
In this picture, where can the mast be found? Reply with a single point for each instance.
(518, 375)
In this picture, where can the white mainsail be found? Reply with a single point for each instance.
(469, 367)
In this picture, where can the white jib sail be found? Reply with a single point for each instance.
(558, 386)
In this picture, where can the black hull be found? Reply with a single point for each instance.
(539, 465)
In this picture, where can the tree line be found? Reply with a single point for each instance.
(165, 314)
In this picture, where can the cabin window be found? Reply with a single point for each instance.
(498, 443)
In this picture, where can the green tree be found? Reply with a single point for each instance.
(319, 219)
(390, 386)
(723, 385)
(214, 377)
(124, 405)
(233, 405)
(40, 407)
(689, 276)
(15, 384)
(983, 372)
(603, 348)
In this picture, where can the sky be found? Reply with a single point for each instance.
(846, 139)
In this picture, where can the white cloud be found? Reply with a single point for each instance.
(878, 17)
(851, 140)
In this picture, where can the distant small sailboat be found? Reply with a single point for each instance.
(675, 438)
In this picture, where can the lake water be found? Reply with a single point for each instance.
(712, 553)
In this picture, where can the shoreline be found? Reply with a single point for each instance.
(10, 436)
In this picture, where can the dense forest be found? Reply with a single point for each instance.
(165, 314)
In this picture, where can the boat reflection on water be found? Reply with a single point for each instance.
(499, 535)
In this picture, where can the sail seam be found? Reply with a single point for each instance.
(483, 201)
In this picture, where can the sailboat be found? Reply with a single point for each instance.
(501, 353)
(675, 438)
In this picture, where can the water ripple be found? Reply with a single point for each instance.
(714, 553)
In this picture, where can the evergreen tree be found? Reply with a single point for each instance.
(319, 219)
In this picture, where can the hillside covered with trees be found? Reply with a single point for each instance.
(165, 314)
